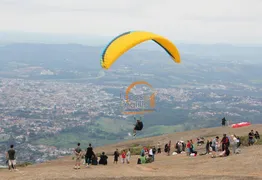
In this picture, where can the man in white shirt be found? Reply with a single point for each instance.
(214, 146)
(128, 156)
(151, 154)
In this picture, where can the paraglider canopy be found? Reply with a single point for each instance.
(122, 43)
(242, 124)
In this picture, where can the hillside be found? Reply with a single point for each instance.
(246, 165)
(48, 93)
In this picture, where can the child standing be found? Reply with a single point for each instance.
(123, 156)
(128, 156)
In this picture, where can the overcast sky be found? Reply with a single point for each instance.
(206, 21)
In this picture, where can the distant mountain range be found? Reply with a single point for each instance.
(243, 52)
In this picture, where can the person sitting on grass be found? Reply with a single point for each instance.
(192, 148)
(103, 159)
(142, 159)
(94, 160)
(207, 148)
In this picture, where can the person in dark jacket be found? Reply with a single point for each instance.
(227, 151)
(239, 142)
(257, 136)
(10, 154)
(138, 126)
(224, 121)
(225, 142)
(178, 147)
(207, 147)
(103, 159)
(116, 156)
(89, 154)
(183, 146)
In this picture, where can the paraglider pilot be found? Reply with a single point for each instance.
(138, 126)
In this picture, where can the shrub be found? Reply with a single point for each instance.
(135, 149)
(24, 164)
(244, 141)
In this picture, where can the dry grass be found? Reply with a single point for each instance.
(246, 165)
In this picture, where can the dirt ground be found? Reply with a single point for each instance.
(247, 165)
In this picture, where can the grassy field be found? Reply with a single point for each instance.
(106, 131)
(69, 140)
(161, 129)
(114, 125)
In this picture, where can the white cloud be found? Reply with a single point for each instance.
(232, 21)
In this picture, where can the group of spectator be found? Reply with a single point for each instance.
(148, 155)
(89, 157)
(125, 156)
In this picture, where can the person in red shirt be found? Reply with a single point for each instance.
(188, 146)
(225, 142)
(123, 156)
(146, 150)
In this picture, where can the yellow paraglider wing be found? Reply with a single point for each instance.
(127, 40)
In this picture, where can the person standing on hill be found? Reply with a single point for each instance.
(158, 148)
(225, 142)
(251, 138)
(128, 156)
(207, 147)
(257, 136)
(150, 154)
(169, 148)
(239, 142)
(123, 156)
(234, 143)
(183, 146)
(10, 155)
(154, 152)
(224, 121)
(116, 155)
(214, 146)
(89, 154)
(188, 146)
(78, 154)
